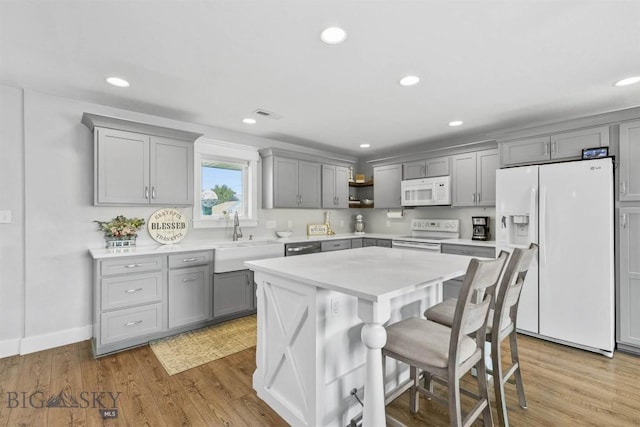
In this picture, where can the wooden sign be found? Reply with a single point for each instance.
(317, 229)
(167, 226)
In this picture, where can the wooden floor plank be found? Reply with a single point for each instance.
(63, 405)
(9, 379)
(34, 389)
(167, 391)
(564, 387)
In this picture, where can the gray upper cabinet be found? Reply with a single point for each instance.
(291, 183)
(629, 310)
(426, 168)
(139, 164)
(629, 161)
(386, 191)
(335, 187)
(559, 146)
(474, 178)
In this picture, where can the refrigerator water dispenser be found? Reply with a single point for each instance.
(515, 228)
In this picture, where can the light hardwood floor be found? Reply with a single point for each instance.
(564, 387)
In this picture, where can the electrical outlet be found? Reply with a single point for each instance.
(271, 224)
(5, 217)
(335, 306)
(290, 223)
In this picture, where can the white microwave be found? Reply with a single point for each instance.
(426, 191)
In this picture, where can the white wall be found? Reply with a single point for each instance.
(12, 234)
(46, 175)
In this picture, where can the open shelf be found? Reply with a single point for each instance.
(361, 184)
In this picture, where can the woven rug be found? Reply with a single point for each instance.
(194, 348)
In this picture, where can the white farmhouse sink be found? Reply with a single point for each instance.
(232, 255)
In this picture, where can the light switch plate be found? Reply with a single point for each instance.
(5, 217)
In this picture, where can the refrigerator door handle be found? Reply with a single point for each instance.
(543, 222)
(532, 210)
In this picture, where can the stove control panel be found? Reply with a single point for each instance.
(450, 225)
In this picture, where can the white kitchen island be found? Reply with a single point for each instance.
(321, 324)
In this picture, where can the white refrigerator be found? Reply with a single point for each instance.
(567, 209)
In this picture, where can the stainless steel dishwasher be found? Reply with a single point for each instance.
(302, 248)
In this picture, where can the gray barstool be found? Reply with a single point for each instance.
(504, 314)
(445, 353)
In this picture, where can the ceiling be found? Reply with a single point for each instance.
(492, 64)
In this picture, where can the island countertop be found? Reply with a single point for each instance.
(371, 273)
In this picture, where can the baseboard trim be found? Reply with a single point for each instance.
(9, 347)
(55, 339)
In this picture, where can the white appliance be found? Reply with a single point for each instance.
(567, 209)
(426, 191)
(426, 234)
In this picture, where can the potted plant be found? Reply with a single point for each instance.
(120, 231)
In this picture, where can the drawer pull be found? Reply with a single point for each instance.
(130, 291)
(132, 265)
(135, 322)
(190, 279)
(189, 259)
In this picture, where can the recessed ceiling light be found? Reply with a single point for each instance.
(333, 35)
(117, 81)
(456, 123)
(365, 145)
(249, 121)
(628, 81)
(409, 80)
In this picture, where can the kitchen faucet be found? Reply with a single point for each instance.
(237, 231)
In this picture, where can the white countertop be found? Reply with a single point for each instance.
(371, 273)
(101, 253)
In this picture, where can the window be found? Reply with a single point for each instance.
(225, 180)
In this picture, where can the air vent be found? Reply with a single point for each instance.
(268, 114)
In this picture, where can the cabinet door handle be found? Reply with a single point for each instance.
(189, 259)
(426, 170)
(130, 291)
(146, 192)
(623, 187)
(301, 199)
(153, 192)
(473, 198)
(624, 220)
(554, 147)
(190, 279)
(478, 197)
(546, 148)
(135, 322)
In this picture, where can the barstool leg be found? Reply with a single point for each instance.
(498, 381)
(414, 394)
(515, 360)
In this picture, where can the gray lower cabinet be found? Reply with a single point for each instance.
(141, 298)
(129, 302)
(189, 295)
(369, 241)
(629, 254)
(233, 293)
(386, 191)
(335, 245)
(451, 288)
(629, 161)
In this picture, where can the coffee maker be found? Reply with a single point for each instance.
(480, 228)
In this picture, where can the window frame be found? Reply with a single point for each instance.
(222, 151)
